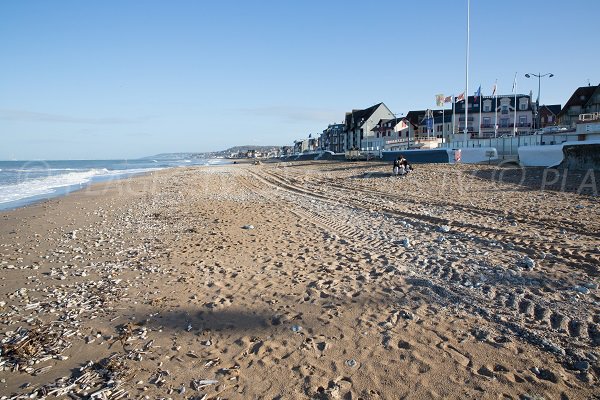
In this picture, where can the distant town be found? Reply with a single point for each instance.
(377, 128)
(504, 122)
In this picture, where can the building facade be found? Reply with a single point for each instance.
(333, 138)
(358, 126)
(496, 117)
(585, 100)
(548, 115)
(392, 134)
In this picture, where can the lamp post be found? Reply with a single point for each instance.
(396, 123)
(539, 76)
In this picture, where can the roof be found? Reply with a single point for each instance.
(579, 98)
(381, 122)
(416, 117)
(461, 105)
(553, 108)
(357, 115)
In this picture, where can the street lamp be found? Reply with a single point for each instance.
(539, 76)
(396, 123)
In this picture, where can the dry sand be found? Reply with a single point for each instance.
(465, 282)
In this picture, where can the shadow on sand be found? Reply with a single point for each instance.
(212, 320)
(584, 182)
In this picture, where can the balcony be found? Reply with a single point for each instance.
(460, 129)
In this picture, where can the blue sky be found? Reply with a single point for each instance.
(125, 79)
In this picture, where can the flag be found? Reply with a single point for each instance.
(448, 99)
(494, 88)
(477, 94)
(514, 88)
(460, 97)
(439, 100)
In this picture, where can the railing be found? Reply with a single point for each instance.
(589, 117)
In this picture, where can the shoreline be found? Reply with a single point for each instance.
(113, 175)
(320, 280)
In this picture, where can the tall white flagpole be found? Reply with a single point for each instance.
(515, 121)
(467, 71)
(443, 123)
(496, 109)
(479, 110)
(453, 114)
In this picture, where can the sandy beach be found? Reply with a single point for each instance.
(317, 280)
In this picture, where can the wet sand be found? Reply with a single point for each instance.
(311, 280)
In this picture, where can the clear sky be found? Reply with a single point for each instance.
(125, 79)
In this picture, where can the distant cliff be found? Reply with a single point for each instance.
(212, 154)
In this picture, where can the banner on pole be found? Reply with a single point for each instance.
(439, 100)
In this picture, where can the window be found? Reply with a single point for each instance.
(487, 121)
(523, 103)
(522, 119)
(487, 105)
(549, 118)
(504, 122)
(504, 109)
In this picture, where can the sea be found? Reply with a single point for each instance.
(26, 182)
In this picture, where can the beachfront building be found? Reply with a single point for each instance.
(585, 100)
(358, 126)
(392, 134)
(481, 123)
(424, 135)
(333, 138)
(415, 118)
(440, 126)
(548, 115)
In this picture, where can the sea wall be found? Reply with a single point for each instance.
(541, 156)
(581, 157)
(443, 156)
(478, 154)
(571, 155)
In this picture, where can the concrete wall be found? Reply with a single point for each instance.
(505, 147)
(479, 154)
(571, 155)
(581, 156)
(444, 156)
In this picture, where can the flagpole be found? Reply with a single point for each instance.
(479, 110)
(515, 120)
(467, 71)
(443, 125)
(496, 110)
(453, 114)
